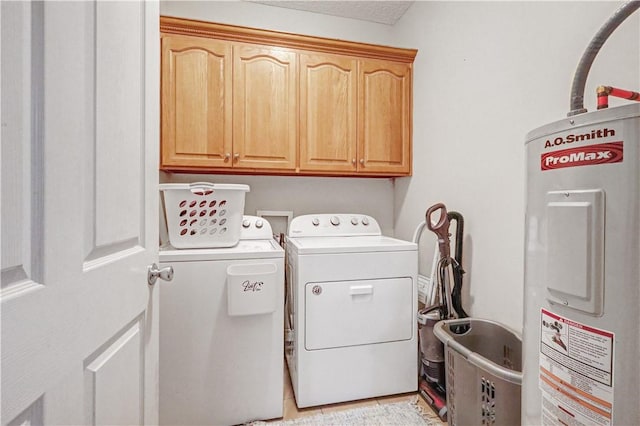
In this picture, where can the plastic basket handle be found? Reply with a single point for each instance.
(201, 188)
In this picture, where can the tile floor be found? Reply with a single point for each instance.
(291, 411)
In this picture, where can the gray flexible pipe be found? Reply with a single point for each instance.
(580, 77)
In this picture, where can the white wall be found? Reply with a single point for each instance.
(279, 19)
(306, 195)
(486, 74)
(301, 195)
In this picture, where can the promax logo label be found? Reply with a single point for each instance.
(584, 156)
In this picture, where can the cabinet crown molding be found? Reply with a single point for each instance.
(172, 25)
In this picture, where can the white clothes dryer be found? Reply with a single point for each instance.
(221, 331)
(351, 308)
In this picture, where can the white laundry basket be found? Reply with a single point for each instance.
(484, 372)
(202, 214)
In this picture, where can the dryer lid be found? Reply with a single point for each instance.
(333, 245)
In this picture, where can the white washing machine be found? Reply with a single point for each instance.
(351, 309)
(221, 331)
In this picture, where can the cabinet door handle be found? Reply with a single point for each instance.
(226, 157)
(236, 156)
(353, 161)
(362, 161)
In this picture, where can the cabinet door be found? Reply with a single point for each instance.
(384, 117)
(265, 107)
(328, 107)
(196, 102)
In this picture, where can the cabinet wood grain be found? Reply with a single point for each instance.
(245, 100)
(328, 108)
(265, 107)
(384, 122)
(196, 102)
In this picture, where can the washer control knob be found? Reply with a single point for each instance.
(354, 221)
(365, 221)
(259, 223)
(246, 223)
(315, 221)
(335, 220)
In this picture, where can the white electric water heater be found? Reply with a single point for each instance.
(581, 340)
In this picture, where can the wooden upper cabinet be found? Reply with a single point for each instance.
(245, 100)
(384, 122)
(196, 102)
(265, 107)
(328, 107)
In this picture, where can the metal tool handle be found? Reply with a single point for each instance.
(153, 273)
(440, 228)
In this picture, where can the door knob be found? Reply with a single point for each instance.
(153, 273)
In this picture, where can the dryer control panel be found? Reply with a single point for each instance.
(333, 225)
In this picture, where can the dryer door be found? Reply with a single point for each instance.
(350, 313)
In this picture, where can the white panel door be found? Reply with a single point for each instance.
(79, 212)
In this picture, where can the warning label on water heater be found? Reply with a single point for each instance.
(576, 372)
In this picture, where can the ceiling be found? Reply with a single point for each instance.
(383, 12)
